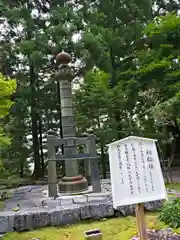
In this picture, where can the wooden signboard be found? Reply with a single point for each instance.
(136, 175)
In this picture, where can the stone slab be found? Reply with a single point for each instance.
(6, 222)
(99, 197)
(34, 218)
(65, 216)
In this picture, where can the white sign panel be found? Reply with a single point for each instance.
(136, 175)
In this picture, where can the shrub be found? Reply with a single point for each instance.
(3, 172)
(170, 213)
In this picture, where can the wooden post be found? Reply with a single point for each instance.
(141, 223)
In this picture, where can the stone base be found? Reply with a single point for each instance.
(73, 185)
(89, 191)
(96, 206)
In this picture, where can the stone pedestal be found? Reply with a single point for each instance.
(73, 185)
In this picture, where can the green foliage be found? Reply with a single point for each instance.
(129, 79)
(3, 172)
(92, 100)
(165, 26)
(7, 88)
(4, 140)
(159, 67)
(170, 213)
(13, 181)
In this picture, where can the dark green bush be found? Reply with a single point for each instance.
(14, 182)
(170, 213)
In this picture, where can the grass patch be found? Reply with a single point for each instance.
(112, 229)
(14, 182)
(8, 194)
(172, 195)
(1, 204)
(173, 186)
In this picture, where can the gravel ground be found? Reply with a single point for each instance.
(164, 234)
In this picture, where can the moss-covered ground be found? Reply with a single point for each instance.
(112, 229)
(174, 186)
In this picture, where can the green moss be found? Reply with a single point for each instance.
(1, 204)
(14, 182)
(174, 186)
(171, 195)
(9, 195)
(112, 229)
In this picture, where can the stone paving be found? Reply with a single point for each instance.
(36, 209)
(37, 196)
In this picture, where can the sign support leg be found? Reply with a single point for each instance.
(141, 224)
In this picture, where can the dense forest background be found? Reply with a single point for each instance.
(126, 57)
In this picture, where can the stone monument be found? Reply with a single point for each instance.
(73, 182)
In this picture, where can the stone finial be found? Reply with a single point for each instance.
(63, 58)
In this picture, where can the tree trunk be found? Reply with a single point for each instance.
(34, 102)
(103, 160)
(36, 155)
(41, 148)
(21, 169)
(117, 114)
